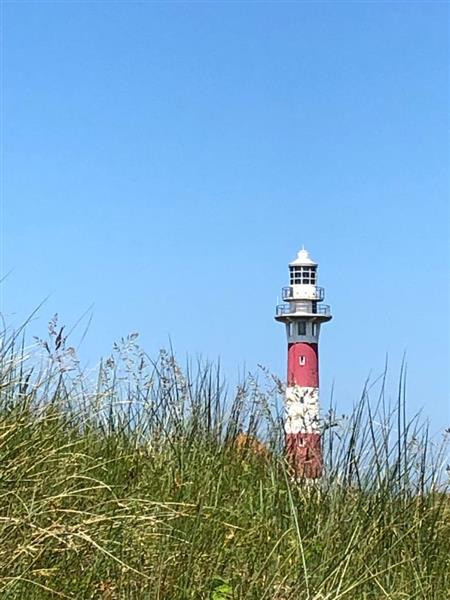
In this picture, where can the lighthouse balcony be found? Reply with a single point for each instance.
(303, 292)
(321, 310)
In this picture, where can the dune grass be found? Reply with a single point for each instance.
(135, 488)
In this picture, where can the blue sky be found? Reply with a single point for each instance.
(163, 162)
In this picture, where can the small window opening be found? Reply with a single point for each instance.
(302, 361)
(301, 327)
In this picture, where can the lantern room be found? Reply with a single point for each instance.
(303, 296)
(303, 270)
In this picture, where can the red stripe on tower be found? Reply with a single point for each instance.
(303, 364)
(303, 315)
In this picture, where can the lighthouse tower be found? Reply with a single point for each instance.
(303, 315)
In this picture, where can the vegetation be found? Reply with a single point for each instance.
(153, 486)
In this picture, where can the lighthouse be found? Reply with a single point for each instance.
(303, 313)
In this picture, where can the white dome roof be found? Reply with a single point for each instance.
(303, 259)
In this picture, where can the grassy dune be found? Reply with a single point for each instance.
(136, 488)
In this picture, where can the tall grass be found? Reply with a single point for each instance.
(135, 487)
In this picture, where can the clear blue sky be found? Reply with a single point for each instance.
(165, 161)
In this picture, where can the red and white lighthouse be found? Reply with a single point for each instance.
(303, 313)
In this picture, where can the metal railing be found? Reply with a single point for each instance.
(292, 309)
(287, 293)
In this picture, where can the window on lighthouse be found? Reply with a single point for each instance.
(302, 275)
(308, 275)
(301, 328)
(295, 276)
